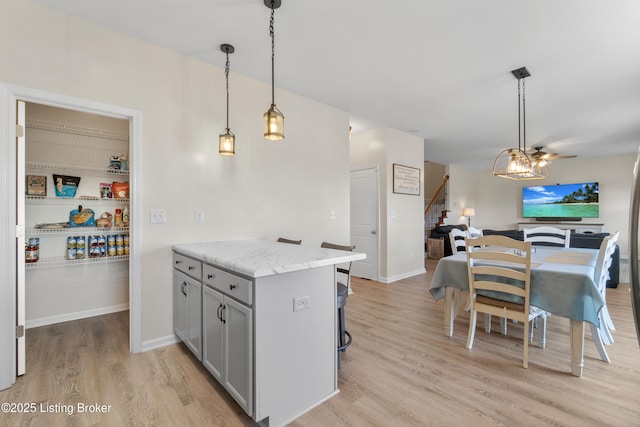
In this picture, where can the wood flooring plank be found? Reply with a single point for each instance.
(401, 370)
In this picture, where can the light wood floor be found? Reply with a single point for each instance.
(400, 371)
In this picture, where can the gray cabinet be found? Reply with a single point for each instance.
(276, 358)
(187, 303)
(228, 333)
(213, 339)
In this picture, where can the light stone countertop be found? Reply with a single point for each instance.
(259, 258)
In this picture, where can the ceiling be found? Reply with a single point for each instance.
(438, 70)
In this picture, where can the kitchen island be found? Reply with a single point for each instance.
(261, 316)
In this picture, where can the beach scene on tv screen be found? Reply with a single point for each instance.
(561, 201)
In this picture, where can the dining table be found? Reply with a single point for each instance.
(562, 283)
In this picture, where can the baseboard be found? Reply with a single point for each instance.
(402, 276)
(160, 342)
(43, 321)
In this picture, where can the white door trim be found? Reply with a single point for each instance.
(21, 361)
(9, 94)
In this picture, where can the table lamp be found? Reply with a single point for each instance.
(468, 212)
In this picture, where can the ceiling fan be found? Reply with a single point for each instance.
(542, 157)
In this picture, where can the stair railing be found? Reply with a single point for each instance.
(436, 196)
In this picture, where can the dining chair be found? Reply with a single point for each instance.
(344, 337)
(474, 232)
(501, 290)
(293, 242)
(456, 237)
(602, 333)
(547, 236)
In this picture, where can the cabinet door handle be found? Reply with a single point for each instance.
(224, 307)
(219, 314)
(232, 287)
(182, 288)
(210, 276)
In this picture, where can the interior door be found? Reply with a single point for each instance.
(364, 221)
(20, 273)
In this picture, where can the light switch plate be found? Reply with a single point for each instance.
(199, 216)
(157, 216)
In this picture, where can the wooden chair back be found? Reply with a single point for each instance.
(548, 236)
(499, 282)
(457, 237)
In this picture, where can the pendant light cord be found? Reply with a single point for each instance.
(522, 131)
(524, 121)
(226, 75)
(519, 118)
(273, 55)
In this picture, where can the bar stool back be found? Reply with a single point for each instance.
(344, 337)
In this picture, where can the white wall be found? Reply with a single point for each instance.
(497, 201)
(401, 216)
(434, 173)
(268, 189)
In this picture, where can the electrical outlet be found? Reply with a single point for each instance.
(301, 303)
(332, 215)
(199, 216)
(157, 216)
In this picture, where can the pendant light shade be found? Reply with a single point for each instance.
(227, 140)
(227, 143)
(273, 118)
(515, 163)
(274, 124)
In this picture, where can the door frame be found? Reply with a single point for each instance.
(9, 94)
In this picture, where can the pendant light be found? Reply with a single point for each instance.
(273, 118)
(515, 163)
(227, 144)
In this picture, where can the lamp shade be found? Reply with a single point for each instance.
(514, 163)
(274, 124)
(468, 212)
(227, 144)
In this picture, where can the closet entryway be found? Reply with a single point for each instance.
(75, 213)
(12, 246)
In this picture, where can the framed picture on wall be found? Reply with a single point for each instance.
(36, 185)
(406, 180)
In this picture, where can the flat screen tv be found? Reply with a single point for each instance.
(561, 201)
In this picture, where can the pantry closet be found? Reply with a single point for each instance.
(82, 266)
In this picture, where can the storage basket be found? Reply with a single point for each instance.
(435, 248)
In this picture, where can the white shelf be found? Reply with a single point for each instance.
(79, 231)
(79, 169)
(79, 200)
(63, 262)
